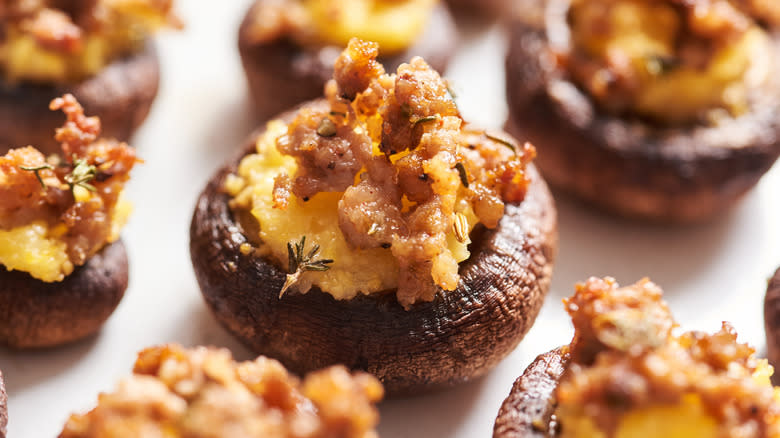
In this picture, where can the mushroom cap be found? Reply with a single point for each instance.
(35, 314)
(121, 94)
(527, 411)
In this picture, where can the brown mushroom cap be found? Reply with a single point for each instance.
(628, 166)
(281, 74)
(121, 94)
(527, 411)
(772, 320)
(460, 335)
(3, 408)
(37, 314)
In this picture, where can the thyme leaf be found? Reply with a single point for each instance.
(424, 120)
(37, 171)
(464, 177)
(300, 262)
(502, 141)
(81, 175)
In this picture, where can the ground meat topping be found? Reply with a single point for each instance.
(85, 35)
(394, 148)
(202, 392)
(625, 356)
(673, 61)
(75, 195)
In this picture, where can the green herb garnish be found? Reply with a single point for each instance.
(502, 141)
(81, 175)
(424, 120)
(299, 262)
(37, 171)
(464, 177)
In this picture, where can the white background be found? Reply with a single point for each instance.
(711, 272)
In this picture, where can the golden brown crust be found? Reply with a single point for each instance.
(3, 408)
(527, 411)
(431, 345)
(772, 320)
(36, 314)
(627, 166)
(121, 95)
(281, 74)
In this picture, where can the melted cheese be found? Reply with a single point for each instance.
(687, 419)
(394, 24)
(38, 250)
(354, 271)
(31, 248)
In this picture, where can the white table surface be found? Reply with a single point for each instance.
(712, 272)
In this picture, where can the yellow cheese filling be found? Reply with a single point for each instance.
(642, 37)
(686, 419)
(39, 250)
(394, 24)
(354, 271)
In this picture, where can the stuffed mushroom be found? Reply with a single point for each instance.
(202, 393)
(288, 46)
(629, 373)
(97, 50)
(374, 229)
(65, 268)
(660, 110)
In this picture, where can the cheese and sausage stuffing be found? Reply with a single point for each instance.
(383, 176)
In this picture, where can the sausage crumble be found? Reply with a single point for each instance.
(73, 198)
(404, 170)
(203, 393)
